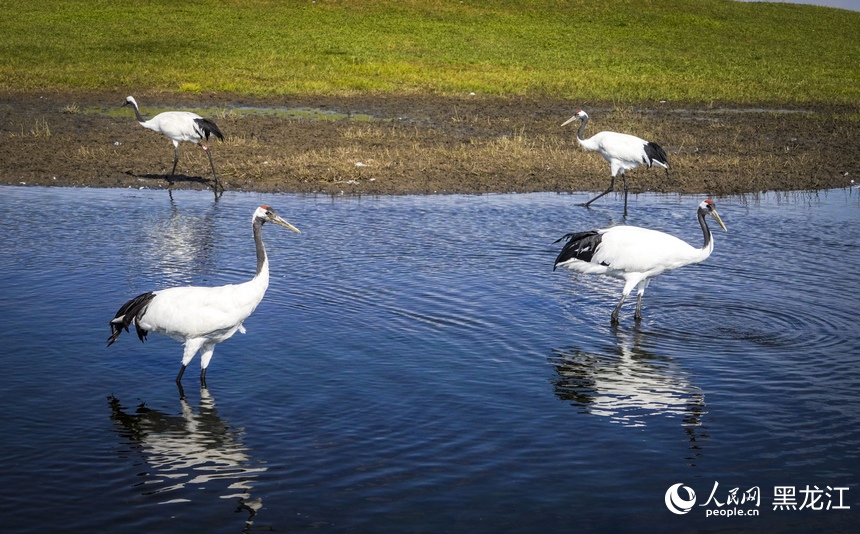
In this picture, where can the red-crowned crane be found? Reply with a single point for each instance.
(623, 152)
(181, 126)
(200, 317)
(634, 254)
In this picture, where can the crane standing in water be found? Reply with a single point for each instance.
(200, 317)
(634, 254)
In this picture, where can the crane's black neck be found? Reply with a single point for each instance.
(258, 240)
(705, 230)
(579, 133)
(140, 117)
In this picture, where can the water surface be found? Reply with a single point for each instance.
(416, 365)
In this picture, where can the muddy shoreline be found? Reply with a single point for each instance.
(420, 145)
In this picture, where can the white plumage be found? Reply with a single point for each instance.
(200, 317)
(623, 152)
(181, 126)
(634, 254)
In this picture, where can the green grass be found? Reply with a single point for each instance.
(611, 50)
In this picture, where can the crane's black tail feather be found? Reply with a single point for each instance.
(565, 237)
(208, 128)
(656, 153)
(127, 314)
(580, 245)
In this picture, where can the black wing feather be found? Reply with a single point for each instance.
(580, 245)
(655, 153)
(208, 128)
(127, 314)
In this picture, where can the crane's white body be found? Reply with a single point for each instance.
(200, 317)
(178, 126)
(637, 254)
(622, 151)
(634, 254)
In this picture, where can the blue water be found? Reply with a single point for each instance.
(416, 365)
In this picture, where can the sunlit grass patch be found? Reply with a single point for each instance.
(609, 51)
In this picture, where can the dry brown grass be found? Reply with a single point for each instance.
(716, 155)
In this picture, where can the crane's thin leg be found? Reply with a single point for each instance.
(205, 356)
(640, 287)
(608, 190)
(615, 313)
(638, 315)
(624, 180)
(175, 159)
(218, 188)
(181, 372)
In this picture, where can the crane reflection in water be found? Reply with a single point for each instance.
(628, 384)
(177, 247)
(194, 449)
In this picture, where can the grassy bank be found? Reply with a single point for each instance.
(587, 50)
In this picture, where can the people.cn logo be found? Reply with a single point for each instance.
(677, 504)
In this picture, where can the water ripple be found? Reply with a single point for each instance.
(771, 326)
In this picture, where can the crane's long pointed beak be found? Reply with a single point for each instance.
(278, 220)
(568, 121)
(716, 216)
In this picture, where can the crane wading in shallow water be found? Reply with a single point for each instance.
(634, 254)
(200, 317)
(181, 126)
(623, 152)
